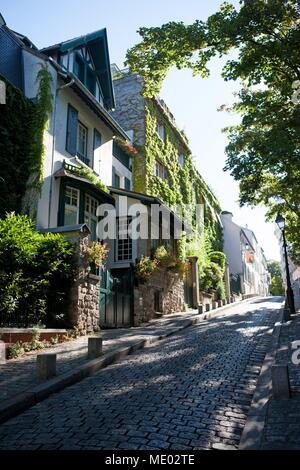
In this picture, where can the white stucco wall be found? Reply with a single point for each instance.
(232, 244)
(102, 157)
(122, 171)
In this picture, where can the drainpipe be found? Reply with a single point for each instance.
(58, 89)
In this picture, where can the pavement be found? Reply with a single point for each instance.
(20, 389)
(282, 421)
(191, 390)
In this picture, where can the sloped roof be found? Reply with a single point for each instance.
(98, 47)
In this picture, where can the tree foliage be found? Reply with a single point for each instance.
(36, 273)
(276, 285)
(263, 150)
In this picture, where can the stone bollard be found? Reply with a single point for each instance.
(2, 353)
(45, 366)
(219, 303)
(231, 300)
(227, 300)
(280, 382)
(223, 302)
(286, 314)
(214, 304)
(94, 347)
(207, 307)
(200, 309)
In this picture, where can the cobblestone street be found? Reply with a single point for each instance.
(190, 391)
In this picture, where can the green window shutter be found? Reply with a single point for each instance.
(72, 125)
(113, 179)
(127, 184)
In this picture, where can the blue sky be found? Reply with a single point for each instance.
(193, 101)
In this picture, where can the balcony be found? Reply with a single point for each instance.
(84, 159)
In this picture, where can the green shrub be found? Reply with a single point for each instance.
(36, 273)
(16, 350)
(219, 258)
(164, 258)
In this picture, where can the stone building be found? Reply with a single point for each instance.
(163, 166)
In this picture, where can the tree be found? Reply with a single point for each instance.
(274, 268)
(276, 286)
(264, 149)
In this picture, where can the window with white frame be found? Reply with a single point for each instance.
(160, 129)
(181, 159)
(124, 241)
(90, 217)
(71, 206)
(161, 171)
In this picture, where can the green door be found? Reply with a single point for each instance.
(115, 302)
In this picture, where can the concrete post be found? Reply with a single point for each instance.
(200, 309)
(214, 304)
(94, 347)
(227, 280)
(2, 353)
(195, 280)
(286, 314)
(207, 307)
(219, 303)
(280, 382)
(45, 366)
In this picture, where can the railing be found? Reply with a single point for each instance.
(84, 159)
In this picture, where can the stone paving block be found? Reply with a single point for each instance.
(280, 382)
(163, 386)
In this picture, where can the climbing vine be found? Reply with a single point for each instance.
(22, 127)
(182, 186)
(88, 174)
(39, 124)
(16, 134)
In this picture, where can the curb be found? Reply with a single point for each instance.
(253, 431)
(21, 402)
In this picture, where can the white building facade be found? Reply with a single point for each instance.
(246, 259)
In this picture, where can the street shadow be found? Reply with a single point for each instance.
(175, 393)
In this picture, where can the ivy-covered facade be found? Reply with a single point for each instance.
(163, 167)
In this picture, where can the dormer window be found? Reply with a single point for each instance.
(79, 67)
(84, 69)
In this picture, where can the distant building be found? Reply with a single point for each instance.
(246, 259)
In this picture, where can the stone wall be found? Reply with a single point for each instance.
(168, 289)
(84, 295)
(130, 106)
